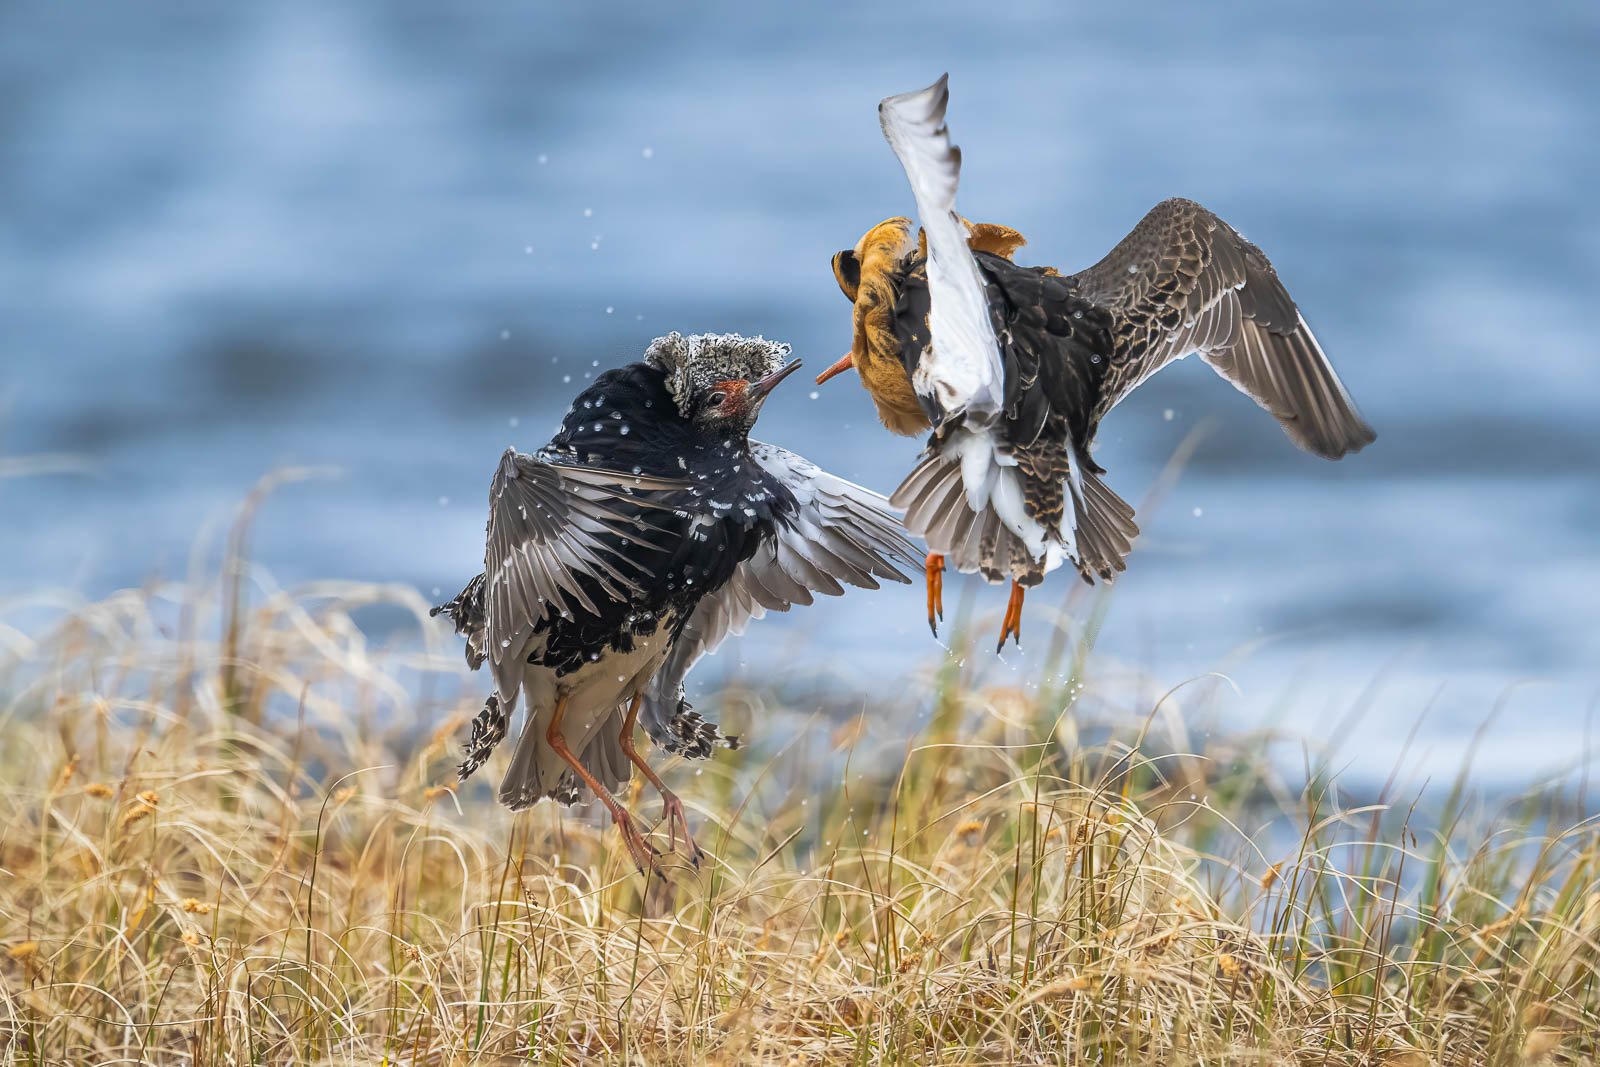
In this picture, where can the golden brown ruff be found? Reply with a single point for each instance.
(880, 259)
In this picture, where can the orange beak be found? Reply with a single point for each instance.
(838, 368)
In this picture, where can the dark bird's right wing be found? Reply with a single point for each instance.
(840, 534)
(555, 540)
(1184, 281)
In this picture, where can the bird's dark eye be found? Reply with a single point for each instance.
(847, 272)
(716, 399)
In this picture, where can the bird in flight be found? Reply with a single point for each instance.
(1013, 367)
(649, 529)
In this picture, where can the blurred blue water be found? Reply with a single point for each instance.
(395, 238)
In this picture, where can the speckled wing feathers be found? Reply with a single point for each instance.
(1184, 281)
(548, 531)
(839, 534)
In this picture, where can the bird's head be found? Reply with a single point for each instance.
(870, 275)
(719, 381)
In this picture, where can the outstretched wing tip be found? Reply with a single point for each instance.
(936, 94)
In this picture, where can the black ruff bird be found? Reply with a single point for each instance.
(646, 531)
(1013, 367)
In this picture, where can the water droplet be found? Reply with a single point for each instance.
(444, 501)
(624, 430)
(527, 250)
(1077, 314)
(566, 377)
(1133, 268)
(609, 309)
(435, 591)
(815, 394)
(1169, 414)
(543, 159)
(647, 152)
(1199, 512)
(505, 335)
(588, 212)
(514, 420)
(505, 642)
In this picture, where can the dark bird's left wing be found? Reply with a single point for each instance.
(840, 534)
(555, 542)
(1184, 281)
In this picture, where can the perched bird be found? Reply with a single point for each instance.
(649, 528)
(1013, 367)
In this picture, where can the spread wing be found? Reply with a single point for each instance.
(1184, 281)
(841, 534)
(555, 539)
(963, 372)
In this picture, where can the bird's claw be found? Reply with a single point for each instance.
(672, 811)
(933, 570)
(646, 857)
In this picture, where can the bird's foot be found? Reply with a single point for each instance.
(1011, 625)
(933, 569)
(672, 811)
(646, 857)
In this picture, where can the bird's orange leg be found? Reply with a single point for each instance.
(933, 568)
(1011, 625)
(671, 806)
(644, 855)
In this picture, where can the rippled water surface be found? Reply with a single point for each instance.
(395, 238)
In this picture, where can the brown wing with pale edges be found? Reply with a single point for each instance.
(1185, 281)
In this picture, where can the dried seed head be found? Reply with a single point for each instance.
(196, 907)
(24, 950)
(151, 797)
(1271, 876)
(98, 789)
(1540, 1042)
(67, 772)
(135, 812)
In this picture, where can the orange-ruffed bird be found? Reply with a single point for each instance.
(1013, 367)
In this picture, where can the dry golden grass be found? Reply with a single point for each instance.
(232, 836)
